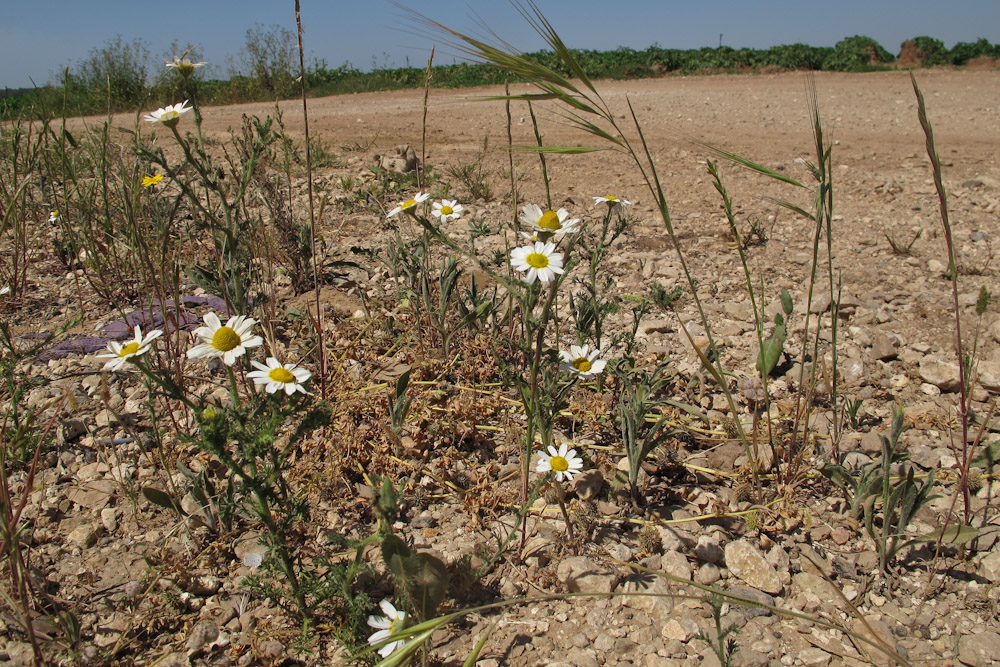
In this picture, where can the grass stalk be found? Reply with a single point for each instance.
(317, 282)
(964, 397)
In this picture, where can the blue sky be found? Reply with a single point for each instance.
(39, 37)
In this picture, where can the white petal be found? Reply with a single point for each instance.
(388, 609)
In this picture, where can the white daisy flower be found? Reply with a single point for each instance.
(169, 115)
(136, 347)
(447, 210)
(582, 360)
(563, 462)
(54, 217)
(540, 261)
(612, 201)
(277, 376)
(184, 65)
(409, 203)
(229, 341)
(388, 625)
(549, 222)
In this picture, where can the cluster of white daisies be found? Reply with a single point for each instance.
(228, 342)
(539, 260)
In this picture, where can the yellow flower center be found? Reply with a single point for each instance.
(559, 464)
(537, 260)
(408, 203)
(131, 348)
(611, 198)
(226, 339)
(447, 210)
(282, 375)
(581, 364)
(549, 220)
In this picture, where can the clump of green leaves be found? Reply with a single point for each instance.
(255, 440)
(636, 401)
(886, 504)
(901, 248)
(857, 54)
(474, 176)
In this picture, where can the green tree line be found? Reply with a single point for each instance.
(121, 76)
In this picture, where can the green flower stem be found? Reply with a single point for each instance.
(170, 388)
(533, 409)
(234, 390)
(561, 497)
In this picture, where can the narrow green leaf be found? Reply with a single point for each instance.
(954, 533)
(749, 164)
(560, 150)
(795, 209)
(478, 648)
(160, 498)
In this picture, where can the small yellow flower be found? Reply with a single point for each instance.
(147, 181)
(277, 376)
(409, 203)
(612, 201)
(539, 261)
(563, 462)
(582, 361)
(54, 217)
(548, 222)
(138, 346)
(184, 66)
(227, 341)
(168, 115)
(447, 210)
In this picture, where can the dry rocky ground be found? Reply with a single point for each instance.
(149, 590)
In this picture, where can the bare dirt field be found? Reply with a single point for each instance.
(150, 588)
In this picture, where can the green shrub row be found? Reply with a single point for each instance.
(118, 82)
